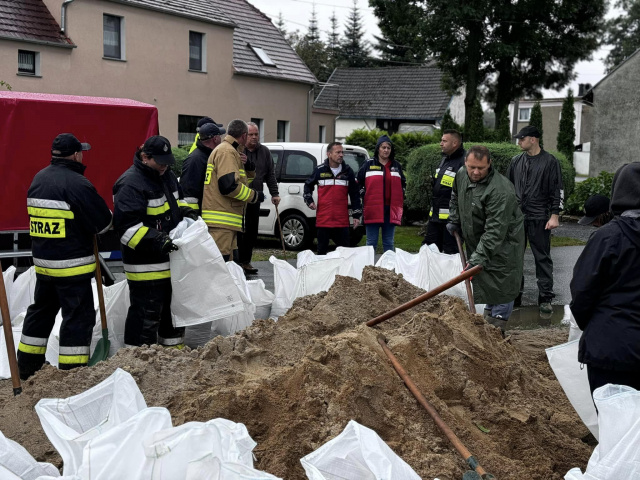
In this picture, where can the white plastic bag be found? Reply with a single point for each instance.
(169, 451)
(72, 422)
(22, 292)
(387, 260)
(353, 259)
(17, 463)
(358, 453)
(211, 467)
(568, 319)
(617, 456)
(573, 380)
(202, 287)
(116, 304)
(442, 268)
(316, 277)
(5, 371)
(261, 298)
(284, 281)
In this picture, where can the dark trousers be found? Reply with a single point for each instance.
(599, 377)
(339, 235)
(75, 299)
(149, 316)
(540, 242)
(437, 233)
(248, 238)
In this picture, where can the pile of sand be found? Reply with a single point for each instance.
(296, 383)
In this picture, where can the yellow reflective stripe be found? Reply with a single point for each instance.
(175, 347)
(242, 173)
(158, 210)
(142, 231)
(47, 227)
(222, 218)
(207, 177)
(49, 212)
(245, 193)
(182, 203)
(194, 206)
(73, 359)
(66, 272)
(137, 277)
(443, 216)
(32, 349)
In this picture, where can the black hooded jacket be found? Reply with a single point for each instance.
(194, 170)
(605, 289)
(442, 183)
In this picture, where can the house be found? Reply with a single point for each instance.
(616, 126)
(551, 112)
(190, 58)
(389, 98)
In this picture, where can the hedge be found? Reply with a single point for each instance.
(180, 153)
(423, 161)
(590, 186)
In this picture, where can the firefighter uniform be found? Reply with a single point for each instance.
(147, 206)
(65, 212)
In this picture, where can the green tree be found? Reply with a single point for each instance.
(536, 120)
(313, 51)
(334, 49)
(475, 131)
(623, 33)
(567, 131)
(279, 23)
(355, 48)
(399, 23)
(503, 131)
(448, 123)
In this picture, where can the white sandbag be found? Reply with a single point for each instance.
(284, 281)
(119, 452)
(358, 453)
(212, 468)
(17, 463)
(568, 319)
(170, 451)
(617, 456)
(261, 298)
(239, 321)
(116, 304)
(354, 259)
(22, 292)
(316, 277)
(387, 260)
(70, 423)
(573, 380)
(5, 371)
(413, 268)
(202, 286)
(442, 268)
(8, 276)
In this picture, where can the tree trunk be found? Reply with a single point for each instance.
(473, 67)
(504, 90)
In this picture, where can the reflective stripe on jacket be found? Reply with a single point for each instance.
(442, 182)
(192, 178)
(371, 179)
(65, 211)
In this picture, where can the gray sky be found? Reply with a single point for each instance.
(297, 13)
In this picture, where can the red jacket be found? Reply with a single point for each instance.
(372, 180)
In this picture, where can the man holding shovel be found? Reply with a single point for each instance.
(484, 211)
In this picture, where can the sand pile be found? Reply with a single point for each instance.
(296, 383)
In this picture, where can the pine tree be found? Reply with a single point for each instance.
(448, 123)
(622, 33)
(334, 50)
(313, 51)
(281, 25)
(356, 50)
(503, 132)
(475, 131)
(567, 131)
(536, 120)
(313, 33)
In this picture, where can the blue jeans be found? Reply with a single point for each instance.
(388, 232)
(500, 310)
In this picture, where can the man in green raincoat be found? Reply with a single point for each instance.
(484, 211)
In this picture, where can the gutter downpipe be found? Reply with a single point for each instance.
(63, 15)
(309, 111)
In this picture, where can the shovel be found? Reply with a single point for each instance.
(8, 336)
(102, 348)
(467, 282)
(284, 251)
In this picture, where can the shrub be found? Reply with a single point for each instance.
(536, 120)
(365, 138)
(583, 190)
(423, 161)
(180, 153)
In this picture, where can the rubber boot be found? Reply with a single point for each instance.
(497, 322)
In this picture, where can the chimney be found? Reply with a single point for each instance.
(583, 88)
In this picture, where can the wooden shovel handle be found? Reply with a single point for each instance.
(103, 313)
(467, 282)
(8, 336)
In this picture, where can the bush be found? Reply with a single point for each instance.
(423, 161)
(180, 153)
(591, 186)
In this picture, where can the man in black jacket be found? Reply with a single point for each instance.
(537, 178)
(442, 181)
(605, 290)
(260, 156)
(65, 212)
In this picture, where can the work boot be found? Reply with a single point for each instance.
(249, 269)
(497, 322)
(546, 310)
(486, 314)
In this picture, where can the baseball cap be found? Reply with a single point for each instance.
(528, 131)
(594, 206)
(67, 144)
(206, 120)
(159, 148)
(209, 130)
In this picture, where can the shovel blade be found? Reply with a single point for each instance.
(102, 349)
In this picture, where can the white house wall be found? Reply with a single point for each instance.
(344, 126)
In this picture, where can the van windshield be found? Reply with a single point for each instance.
(354, 159)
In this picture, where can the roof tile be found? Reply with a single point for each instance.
(30, 20)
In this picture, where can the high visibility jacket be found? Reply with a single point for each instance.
(225, 187)
(372, 181)
(192, 179)
(334, 192)
(442, 182)
(65, 212)
(147, 206)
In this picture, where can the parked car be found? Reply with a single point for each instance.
(294, 163)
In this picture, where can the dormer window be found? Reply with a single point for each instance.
(262, 55)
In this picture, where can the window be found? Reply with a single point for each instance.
(187, 125)
(322, 134)
(262, 55)
(113, 36)
(28, 62)
(354, 159)
(524, 114)
(260, 123)
(197, 50)
(298, 165)
(283, 131)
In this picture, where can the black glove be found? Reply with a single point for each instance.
(259, 197)
(453, 228)
(168, 246)
(191, 214)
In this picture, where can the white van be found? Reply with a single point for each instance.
(294, 163)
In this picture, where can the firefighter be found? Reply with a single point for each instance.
(65, 212)
(148, 204)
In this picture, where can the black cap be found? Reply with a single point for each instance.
(594, 206)
(528, 131)
(160, 149)
(66, 144)
(209, 130)
(206, 120)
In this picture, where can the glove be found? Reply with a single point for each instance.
(453, 228)
(259, 197)
(468, 266)
(168, 246)
(191, 214)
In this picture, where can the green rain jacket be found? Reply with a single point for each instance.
(493, 233)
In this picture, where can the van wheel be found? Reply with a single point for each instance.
(296, 232)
